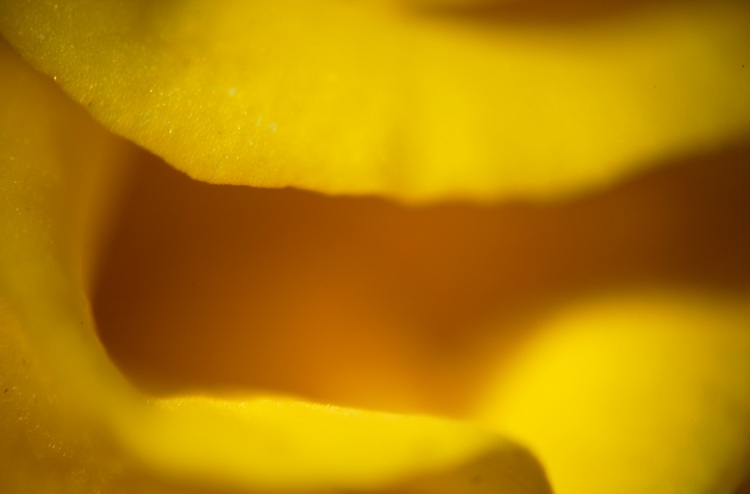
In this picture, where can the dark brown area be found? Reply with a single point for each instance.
(534, 11)
(364, 302)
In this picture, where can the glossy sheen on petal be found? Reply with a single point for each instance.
(646, 393)
(68, 421)
(398, 99)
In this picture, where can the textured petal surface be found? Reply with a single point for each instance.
(71, 424)
(401, 98)
(645, 393)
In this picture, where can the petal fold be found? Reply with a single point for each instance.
(70, 422)
(388, 98)
(637, 392)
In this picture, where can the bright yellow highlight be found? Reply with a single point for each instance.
(71, 424)
(400, 98)
(644, 393)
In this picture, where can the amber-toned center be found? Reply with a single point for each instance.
(363, 302)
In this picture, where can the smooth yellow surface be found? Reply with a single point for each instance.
(646, 392)
(71, 424)
(399, 98)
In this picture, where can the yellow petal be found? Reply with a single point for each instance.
(646, 393)
(70, 423)
(397, 98)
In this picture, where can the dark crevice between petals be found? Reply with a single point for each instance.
(531, 12)
(362, 302)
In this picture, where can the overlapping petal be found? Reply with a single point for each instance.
(415, 100)
(636, 392)
(398, 98)
(70, 422)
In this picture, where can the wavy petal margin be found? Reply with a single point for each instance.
(389, 98)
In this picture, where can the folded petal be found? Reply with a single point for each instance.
(70, 423)
(642, 392)
(397, 98)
